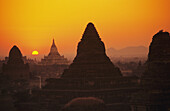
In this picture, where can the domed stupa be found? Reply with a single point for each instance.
(15, 67)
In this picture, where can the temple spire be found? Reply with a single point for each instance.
(53, 50)
(53, 44)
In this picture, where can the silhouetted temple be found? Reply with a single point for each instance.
(15, 68)
(155, 82)
(54, 57)
(91, 60)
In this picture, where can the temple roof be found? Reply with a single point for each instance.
(90, 42)
(90, 32)
(15, 52)
(159, 49)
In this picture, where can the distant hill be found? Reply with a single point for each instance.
(138, 51)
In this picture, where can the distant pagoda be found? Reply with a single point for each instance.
(54, 57)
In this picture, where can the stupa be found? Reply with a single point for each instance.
(91, 60)
(54, 58)
(15, 67)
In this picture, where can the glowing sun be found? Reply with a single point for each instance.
(35, 52)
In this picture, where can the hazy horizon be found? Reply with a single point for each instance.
(71, 55)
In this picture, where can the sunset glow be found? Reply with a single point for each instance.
(34, 23)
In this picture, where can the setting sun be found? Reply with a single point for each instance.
(35, 53)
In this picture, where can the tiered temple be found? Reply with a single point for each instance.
(54, 58)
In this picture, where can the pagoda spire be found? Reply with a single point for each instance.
(54, 50)
(53, 44)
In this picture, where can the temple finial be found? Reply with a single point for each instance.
(53, 43)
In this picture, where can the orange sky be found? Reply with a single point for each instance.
(31, 24)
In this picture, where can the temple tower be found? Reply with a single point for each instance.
(53, 50)
(91, 60)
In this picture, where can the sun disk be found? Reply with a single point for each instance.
(35, 53)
